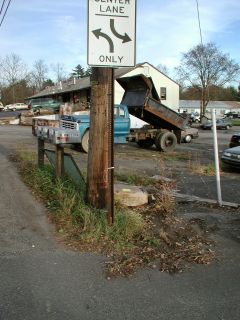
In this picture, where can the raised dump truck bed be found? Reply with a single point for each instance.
(144, 103)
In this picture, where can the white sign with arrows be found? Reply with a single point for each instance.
(112, 33)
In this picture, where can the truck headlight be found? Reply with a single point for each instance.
(227, 154)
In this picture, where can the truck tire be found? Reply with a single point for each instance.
(85, 141)
(165, 141)
(146, 144)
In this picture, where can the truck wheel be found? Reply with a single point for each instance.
(85, 141)
(165, 141)
(146, 144)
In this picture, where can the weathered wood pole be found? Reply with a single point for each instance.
(111, 149)
(59, 161)
(40, 153)
(98, 153)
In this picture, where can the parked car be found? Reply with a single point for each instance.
(231, 157)
(220, 124)
(44, 103)
(195, 116)
(188, 134)
(192, 117)
(15, 106)
(235, 140)
(232, 115)
(1, 106)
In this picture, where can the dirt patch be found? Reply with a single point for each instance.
(176, 243)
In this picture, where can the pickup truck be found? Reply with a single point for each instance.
(74, 129)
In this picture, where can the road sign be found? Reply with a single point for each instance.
(112, 33)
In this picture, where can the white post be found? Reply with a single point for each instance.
(219, 194)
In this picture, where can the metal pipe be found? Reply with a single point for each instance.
(215, 143)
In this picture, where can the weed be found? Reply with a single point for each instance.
(175, 156)
(135, 239)
(197, 167)
(166, 203)
(203, 170)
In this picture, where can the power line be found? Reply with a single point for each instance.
(2, 6)
(199, 23)
(5, 11)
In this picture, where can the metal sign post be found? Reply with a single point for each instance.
(219, 194)
(112, 33)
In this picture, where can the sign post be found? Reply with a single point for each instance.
(215, 143)
(111, 44)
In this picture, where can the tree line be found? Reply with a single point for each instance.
(17, 81)
(205, 73)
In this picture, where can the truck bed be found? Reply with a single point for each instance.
(144, 103)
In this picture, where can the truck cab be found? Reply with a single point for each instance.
(81, 123)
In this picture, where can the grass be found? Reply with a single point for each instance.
(135, 179)
(175, 156)
(65, 201)
(197, 167)
(137, 238)
(203, 170)
(236, 122)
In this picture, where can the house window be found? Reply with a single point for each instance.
(163, 93)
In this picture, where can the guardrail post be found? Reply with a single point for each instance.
(40, 153)
(59, 161)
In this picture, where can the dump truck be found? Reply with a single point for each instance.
(164, 124)
(140, 100)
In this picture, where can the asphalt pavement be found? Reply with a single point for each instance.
(9, 114)
(43, 280)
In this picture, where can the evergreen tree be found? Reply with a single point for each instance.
(78, 72)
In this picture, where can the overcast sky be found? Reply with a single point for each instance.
(56, 30)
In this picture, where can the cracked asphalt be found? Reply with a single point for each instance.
(42, 279)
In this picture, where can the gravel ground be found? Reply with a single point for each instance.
(41, 279)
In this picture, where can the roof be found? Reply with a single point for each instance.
(84, 83)
(65, 86)
(195, 104)
(122, 71)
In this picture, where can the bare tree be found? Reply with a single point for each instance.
(205, 66)
(39, 74)
(59, 71)
(163, 68)
(13, 69)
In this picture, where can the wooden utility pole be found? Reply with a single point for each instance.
(100, 158)
(59, 161)
(41, 146)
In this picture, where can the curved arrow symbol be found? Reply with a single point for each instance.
(98, 34)
(125, 37)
